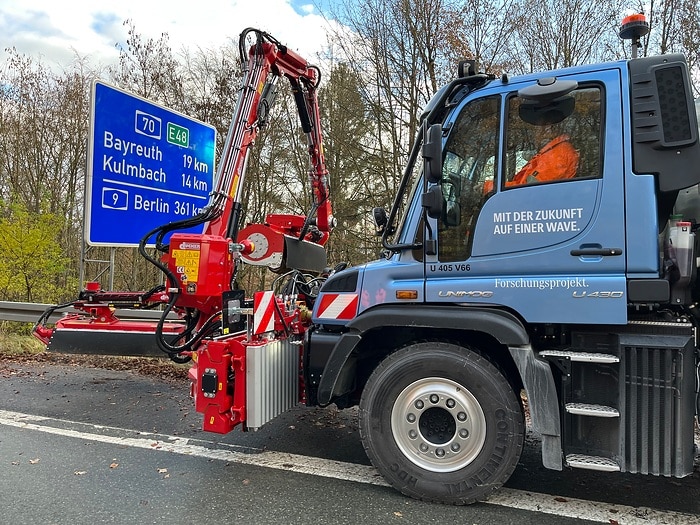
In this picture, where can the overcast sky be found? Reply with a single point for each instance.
(55, 30)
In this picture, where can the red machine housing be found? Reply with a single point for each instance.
(203, 265)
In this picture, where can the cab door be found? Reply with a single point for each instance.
(534, 214)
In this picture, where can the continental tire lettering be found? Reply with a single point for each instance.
(492, 464)
(404, 476)
(459, 488)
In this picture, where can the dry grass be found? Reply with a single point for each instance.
(19, 345)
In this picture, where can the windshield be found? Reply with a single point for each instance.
(407, 197)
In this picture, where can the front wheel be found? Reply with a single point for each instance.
(441, 423)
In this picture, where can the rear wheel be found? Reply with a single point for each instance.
(441, 423)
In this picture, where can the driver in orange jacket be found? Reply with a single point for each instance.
(556, 160)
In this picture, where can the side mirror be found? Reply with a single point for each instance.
(380, 220)
(547, 102)
(433, 202)
(432, 153)
(453, 213)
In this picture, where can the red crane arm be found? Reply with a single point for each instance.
(267, 61)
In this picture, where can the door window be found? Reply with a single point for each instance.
(561, 143)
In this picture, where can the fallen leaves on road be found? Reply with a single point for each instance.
(148, 366)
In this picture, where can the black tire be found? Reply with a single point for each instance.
(441, 423)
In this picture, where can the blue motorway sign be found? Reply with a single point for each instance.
(148, 166)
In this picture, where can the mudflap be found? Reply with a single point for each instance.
(139, 340)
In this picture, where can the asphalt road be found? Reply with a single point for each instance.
(84, 445)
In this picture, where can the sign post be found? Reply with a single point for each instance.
(147, 166)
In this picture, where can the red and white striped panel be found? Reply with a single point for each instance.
(338, 306)
(263, 312)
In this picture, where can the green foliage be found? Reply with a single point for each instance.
(33, 266)
(19, 333)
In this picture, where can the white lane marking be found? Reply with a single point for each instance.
(277, 460)
(517, 499)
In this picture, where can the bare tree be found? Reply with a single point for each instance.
(44, 122)
(481, 30)
(147, 67)
(211, 78)
(553, 34)
(395, 51)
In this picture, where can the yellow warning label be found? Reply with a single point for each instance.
(187, 264)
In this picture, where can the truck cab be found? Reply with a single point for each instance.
(539, 239)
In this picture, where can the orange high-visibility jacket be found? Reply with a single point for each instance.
(557, 160)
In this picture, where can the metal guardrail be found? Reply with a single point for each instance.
(30, 312)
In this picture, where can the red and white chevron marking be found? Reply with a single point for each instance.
(338, 306)
(263, 312)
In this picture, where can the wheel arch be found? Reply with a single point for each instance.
(381, 330)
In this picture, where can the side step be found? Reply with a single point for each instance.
(592, 463)
(584, 409)
(581, 357)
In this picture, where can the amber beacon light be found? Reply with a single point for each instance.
(634, 27)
